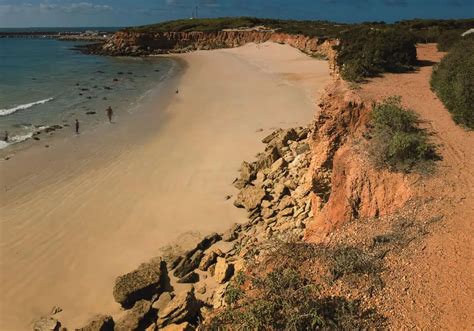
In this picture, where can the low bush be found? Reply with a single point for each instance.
(453, 81)
(284, 299)
(448, 39)
(366, 52)
(396, 141)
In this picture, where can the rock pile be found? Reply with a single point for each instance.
(174, 292)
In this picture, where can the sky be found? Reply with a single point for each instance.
(68, 13)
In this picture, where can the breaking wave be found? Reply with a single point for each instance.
(8, 111)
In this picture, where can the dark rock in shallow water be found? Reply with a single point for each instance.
(91, 113)
(115, 79)
(99, 323)
(142, 283)
(36, 138)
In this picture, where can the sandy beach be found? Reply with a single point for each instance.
(77, 214)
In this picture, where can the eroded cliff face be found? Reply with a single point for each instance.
(345, 186)
(128, 43)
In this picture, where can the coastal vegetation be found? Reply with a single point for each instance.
(364, 52)
(280, 293)
(453, 82)
(396, 140)
(423, 30)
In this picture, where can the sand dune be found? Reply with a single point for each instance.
(76, 215)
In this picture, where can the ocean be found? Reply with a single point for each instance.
(45, 86)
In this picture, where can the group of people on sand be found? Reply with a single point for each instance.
(110, 114)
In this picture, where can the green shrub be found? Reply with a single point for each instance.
(351, 260)
(448, 39)
(453, 82)
(285, 299)
(234, 289)
(366, 52)
(397, 142)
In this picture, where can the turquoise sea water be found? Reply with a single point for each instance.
(45, 82)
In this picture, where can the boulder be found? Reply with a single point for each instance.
(99, 323)
(179, 327)
(302, 133)
(268, 213)
(55, 310)
(281, 139)
(137, 318)
(271, 136)
(191, 277)
(286, 212)
(46, 324)
(162, 301)
(277, 166)
(285, 202)
(188, 263)
(208, 241)
(266, 159)
(302, 148)
(218, 296)
(247, 172)
(249, 197)
(142, 283)
(182, 308)
(223, 270)
(209, 259)
(239, 265)
(280, 190)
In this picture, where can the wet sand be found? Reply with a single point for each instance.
(90, 207)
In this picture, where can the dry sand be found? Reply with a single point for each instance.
(89, 208)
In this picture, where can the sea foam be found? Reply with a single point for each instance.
(8, 111)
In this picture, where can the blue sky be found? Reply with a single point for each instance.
(33, 13)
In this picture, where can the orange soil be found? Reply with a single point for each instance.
(439, 274)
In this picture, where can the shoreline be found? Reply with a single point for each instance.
(59, 130)
(149, 193)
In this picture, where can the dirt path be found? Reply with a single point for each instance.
(433, 288)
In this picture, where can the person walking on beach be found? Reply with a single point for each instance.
(110, 113)
(5, 138)
(77, 126)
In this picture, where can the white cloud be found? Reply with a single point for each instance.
(75, 7)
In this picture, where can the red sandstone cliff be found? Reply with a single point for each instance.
(345, 185)
(131, 43)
